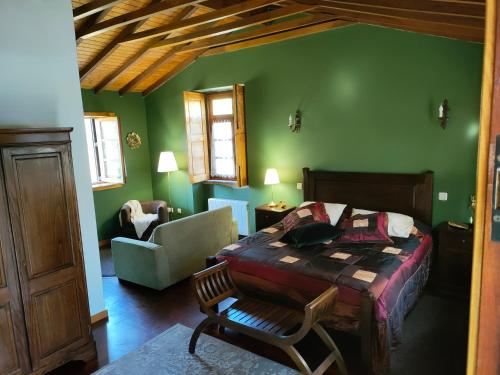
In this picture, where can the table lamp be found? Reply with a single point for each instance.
(272, 178)
(167, 164)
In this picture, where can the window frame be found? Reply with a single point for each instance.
(103, 185)
(197, 136)
(209, 97)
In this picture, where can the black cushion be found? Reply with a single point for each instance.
(311, 234)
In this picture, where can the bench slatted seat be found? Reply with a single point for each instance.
(272, 323)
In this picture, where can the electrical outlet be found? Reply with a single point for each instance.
(299, 185)
(179, 211)
(443, 196)
(170, 209)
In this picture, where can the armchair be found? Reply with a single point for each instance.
(148, 207)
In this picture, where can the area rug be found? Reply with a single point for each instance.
(168, 354)
(107, 265)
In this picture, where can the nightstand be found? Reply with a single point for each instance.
(453, 263)
(266, 216)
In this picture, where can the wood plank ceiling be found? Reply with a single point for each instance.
(138, 45)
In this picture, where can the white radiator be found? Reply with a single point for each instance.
(240, 211)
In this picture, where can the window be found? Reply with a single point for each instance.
(220, 133)
(104, 146)
(215, 127)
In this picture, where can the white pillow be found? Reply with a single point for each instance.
(334, 210)
(399, 225)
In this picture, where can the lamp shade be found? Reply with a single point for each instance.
(272, 177)
(167, 162)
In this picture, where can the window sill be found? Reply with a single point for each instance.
(229, 183)
(107, 186)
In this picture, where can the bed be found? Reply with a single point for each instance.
(373, 310)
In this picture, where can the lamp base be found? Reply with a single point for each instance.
(272, 204)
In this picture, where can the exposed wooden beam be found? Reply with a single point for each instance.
(184, 13)
(234, 26)
(171, 74)
(159, 63)
(89, 22)
(202, 19)
(341, 9)
(267, 30)
(273, 38)
(112, 46)
(432, 28)
(93, 7)
(137, 15)
(162, 61)
(219, 4)
(468, 9)
(105, 52)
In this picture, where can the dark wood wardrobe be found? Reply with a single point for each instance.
(44, 313)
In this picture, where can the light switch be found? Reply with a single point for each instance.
(443, 196)
(299, 185)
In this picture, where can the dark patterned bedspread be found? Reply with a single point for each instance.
(384, 272)
(360, 267)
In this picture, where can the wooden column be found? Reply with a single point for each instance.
(484, 329)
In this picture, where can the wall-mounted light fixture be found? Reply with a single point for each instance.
(443, 113)
(294, 122)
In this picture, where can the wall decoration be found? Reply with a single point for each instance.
(294, 122)
(443, 113)
(133, 140)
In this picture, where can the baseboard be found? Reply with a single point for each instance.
(104, 243)
(102, 315)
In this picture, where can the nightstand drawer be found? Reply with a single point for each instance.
(458, 242)
(266, 216)
(265, 219)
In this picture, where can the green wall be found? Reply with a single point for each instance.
(132, 113)
(369, 98)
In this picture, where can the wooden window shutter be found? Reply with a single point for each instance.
(196, 134)
(240, 144)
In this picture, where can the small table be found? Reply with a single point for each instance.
(453, 268)
(266, 216)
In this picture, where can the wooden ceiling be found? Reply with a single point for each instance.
(138, 45)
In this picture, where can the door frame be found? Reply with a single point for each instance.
(482, 229)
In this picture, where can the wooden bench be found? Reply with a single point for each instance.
(274, 324)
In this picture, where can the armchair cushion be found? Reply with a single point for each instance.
(157, 207)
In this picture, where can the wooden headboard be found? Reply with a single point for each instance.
(409, 194)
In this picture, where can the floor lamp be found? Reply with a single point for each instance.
(167, 164)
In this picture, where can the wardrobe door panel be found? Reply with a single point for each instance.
(43, 204)
(44, 218)
(13, 347)
(9, 362)
(58, 304)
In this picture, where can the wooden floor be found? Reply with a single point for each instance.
(138, 314)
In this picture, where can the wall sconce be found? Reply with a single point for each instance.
(294, 122)
(443, 113)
